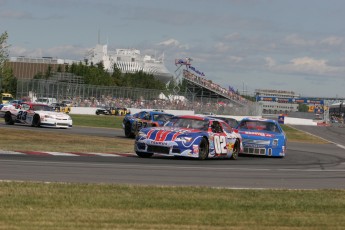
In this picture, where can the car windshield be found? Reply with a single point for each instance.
(230, 121)
(188, 123)
(259, 125)
(162, 117)
(42, 108)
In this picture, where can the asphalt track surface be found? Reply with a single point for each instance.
(306, 166)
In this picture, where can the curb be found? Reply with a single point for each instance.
(72, 154)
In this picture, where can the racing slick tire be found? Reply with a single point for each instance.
(36, 121)
(203, 149)
(8, 119)
(128, 130)
(236, 150)
(144, 155)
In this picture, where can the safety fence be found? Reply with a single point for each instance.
(112, 96)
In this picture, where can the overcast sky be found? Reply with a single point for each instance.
(293, 45)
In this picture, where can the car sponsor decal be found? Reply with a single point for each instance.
(162, 135)
(159, 143)
(257, 134)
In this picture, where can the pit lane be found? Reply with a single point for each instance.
(306, 166)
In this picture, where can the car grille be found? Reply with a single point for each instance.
(176, 150)
(257, 142)
(158, 149)
(62, 124)
(255, 151)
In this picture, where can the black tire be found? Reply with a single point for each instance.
(128, 130)
(236, 150)
(144, 155)
(36, 121)
(8, 119)
(203, 149)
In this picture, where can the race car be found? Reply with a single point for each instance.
(133, 123)
(189, 136)
(263, 137)
(103, 111)
(35, 115)
(61, 107)
(112, 111)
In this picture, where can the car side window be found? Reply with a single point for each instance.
(25, 107)
(216, 127)
(142, 115)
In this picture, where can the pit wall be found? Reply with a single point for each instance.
(287, 120)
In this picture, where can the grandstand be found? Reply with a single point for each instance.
(202, 88)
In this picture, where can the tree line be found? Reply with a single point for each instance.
(96, 74)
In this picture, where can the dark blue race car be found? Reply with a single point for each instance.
(132, 123)
(262, 137)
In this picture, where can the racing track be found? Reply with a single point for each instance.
(305, 167)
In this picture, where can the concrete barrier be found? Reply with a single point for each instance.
(299, 121)
(92, 111)
(287, 120)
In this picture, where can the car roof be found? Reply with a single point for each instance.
(195, 117)
(31, 103)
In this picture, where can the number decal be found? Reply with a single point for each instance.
(24, 115)
(220, 144)
(19, 115)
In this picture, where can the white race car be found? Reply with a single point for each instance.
(35, 115)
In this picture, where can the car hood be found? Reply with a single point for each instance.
(53, 114)
(170, 133)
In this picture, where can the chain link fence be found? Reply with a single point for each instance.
(112, 96)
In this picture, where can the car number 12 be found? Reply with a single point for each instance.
(220, 144)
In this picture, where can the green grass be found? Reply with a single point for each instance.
(89, 206)
(58, 142)
(295, 135)
(97, 121)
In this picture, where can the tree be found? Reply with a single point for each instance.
(9, 81)
(302, 108)
(3, 55)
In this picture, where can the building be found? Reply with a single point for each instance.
(129, 61)
(277, 101)
(28, 67)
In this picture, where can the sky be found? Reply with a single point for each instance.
(294, 45)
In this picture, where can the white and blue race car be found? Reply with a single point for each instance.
(189, 136)
(263, 137)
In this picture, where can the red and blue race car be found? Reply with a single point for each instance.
(189, 136)
(263, 137)
(133, 123)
